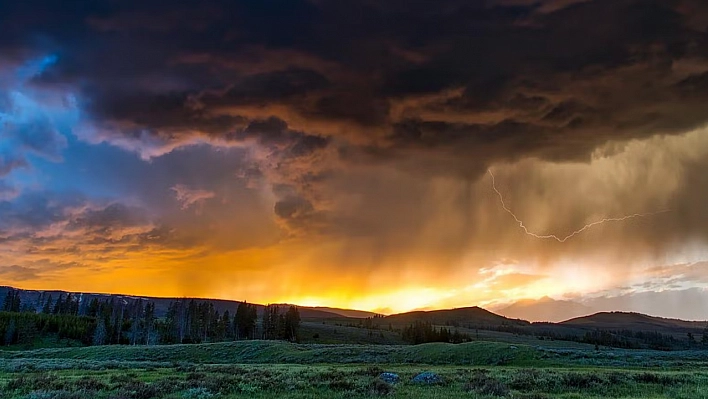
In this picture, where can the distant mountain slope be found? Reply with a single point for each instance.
(472, 316)
(468, 317)
(616, 321)
(685, 304)
(545, 309)
(359, 314)
(36, 299)
(634, 321)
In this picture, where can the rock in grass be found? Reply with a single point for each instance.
(391, 378)
(428, 378)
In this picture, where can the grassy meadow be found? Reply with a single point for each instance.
(268, 369)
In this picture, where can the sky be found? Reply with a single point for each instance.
(341, 153)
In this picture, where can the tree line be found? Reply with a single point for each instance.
(424, 332)
(114, 321)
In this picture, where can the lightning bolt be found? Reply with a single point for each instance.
(576, 232)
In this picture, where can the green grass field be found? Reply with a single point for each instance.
(267, 369)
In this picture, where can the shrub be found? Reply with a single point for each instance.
(137, 390)
(381, 387)
(581, 380)
(243, 387)
(526, 380)
(167, 386)
(371, 371)
(221, 383)
(616, 378)
(487, 385)
(653, 378)
(194, 376)
(120, 379)
(184, 367)
(62, 394)
(534, 395)
(197, 393)
(40, 382)
(90, 384)
(342, 384)
(228, 369)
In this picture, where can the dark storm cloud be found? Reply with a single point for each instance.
(293, 207)
(274, 133)
(457, 85)
(104, 220)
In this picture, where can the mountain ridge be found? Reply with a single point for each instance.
(161, 303)
(471, 315)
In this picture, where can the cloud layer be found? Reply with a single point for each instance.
(346, 144)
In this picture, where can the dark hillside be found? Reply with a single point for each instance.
(472, 317)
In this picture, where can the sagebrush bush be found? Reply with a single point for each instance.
(485, 384)
(120, 379)
(90, 384)
(371, 371)
(660, 379)
(380, 387)
(138, 390)
(533, 395)
(197, 393)
(581, 380)
(37, 382)
(62, 394)
(342, 384)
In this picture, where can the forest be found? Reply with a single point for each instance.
(115, 321)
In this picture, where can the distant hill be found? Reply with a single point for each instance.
(323, 324)
(635, 322)
(545, 309)
(667, 304)
(36, 299)
(357, 314)
(471, 316)
(686, 304)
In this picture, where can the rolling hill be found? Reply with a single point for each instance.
(471, 317)
(332, 325)
(635, 322)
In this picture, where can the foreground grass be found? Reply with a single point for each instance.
(478, 353)
(348, 381)
(473, 353)
(261, 369)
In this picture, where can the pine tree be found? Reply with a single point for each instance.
(100, 333)
(291, 323)
(171, 332)
(47, 309)
(136, 322)
(12, 301)
(10, 332)
(149, 321)
(245, 321)
(58, 305)
(270, 321)
(228, 327)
